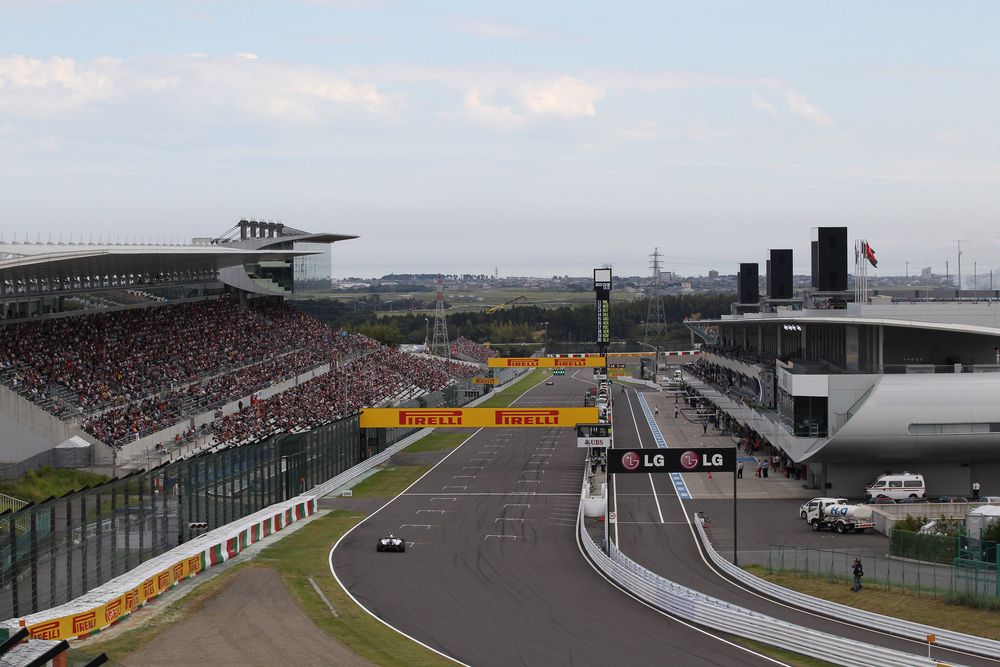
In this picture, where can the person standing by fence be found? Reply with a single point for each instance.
(858, 573)
(975, 490)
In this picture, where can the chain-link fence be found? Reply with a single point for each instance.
(57, 550)
(941, 548)
(976, 581)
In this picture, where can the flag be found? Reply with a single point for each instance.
(870, 255)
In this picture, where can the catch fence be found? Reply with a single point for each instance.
(973, 581)
(57, 550)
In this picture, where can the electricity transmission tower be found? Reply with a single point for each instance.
(656, 318)
(439, 343)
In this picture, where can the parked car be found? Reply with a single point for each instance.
(992, 500)
(907, 501)
(882, 500)
(953, 499)
(897, 486)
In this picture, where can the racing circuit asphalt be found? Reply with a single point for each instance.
(493, 574)
(654, 531)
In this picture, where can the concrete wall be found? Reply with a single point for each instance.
(26, 429)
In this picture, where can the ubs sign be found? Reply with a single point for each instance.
(709, 459)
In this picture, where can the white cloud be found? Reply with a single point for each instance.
(761, 104)
(247, 56)
(245, 83)
(565, 96)
(481, 112)
(34, 87)
(799, 106)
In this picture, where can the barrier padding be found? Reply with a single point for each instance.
(107, 604)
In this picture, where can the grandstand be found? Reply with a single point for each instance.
(141, 347)
(465, 349)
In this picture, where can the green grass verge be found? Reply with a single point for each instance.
(37, 485)
(908, 605)
(781, 654)
(304, 554)
(388, 481)
(438, 440)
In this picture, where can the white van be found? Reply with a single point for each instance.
(897, 487)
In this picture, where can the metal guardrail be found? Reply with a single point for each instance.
(710, 612)
(897, 626)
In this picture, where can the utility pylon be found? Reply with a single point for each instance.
(656, 318)
(439, 342)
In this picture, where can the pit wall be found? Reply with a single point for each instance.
(108, 604)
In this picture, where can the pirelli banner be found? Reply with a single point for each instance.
(477, 417)
(546, 362)
(485, 380)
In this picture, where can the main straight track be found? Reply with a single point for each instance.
(493, 574)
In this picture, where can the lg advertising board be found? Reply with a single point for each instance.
(709, 459)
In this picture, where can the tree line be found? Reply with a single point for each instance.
(568, 326)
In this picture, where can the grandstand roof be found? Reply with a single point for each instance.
(56, 264)
(31, 261)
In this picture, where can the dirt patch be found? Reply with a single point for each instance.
(253, 621)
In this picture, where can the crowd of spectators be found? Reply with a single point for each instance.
(127, 374)
(471, 349)
(379, 375)
(97, 361)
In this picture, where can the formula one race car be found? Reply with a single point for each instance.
(549, 383)
(391, 543)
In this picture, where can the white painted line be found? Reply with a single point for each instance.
(453, 487)
(536, 463)
(425, 526)
(517, 504)
(513, 537)
(323, 597)
(438, 511)
(651, 484)
(333, 570)
(529, 481)
(472, 467)
(534, 455)
(444, 498)
(464, 476)
(480, 459)
(503, 518)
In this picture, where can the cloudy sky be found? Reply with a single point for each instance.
(539, 137)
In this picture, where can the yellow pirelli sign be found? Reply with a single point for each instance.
(547, 362)
(477, 417)
(485, 380)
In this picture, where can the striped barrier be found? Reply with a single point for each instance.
(109, 603)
